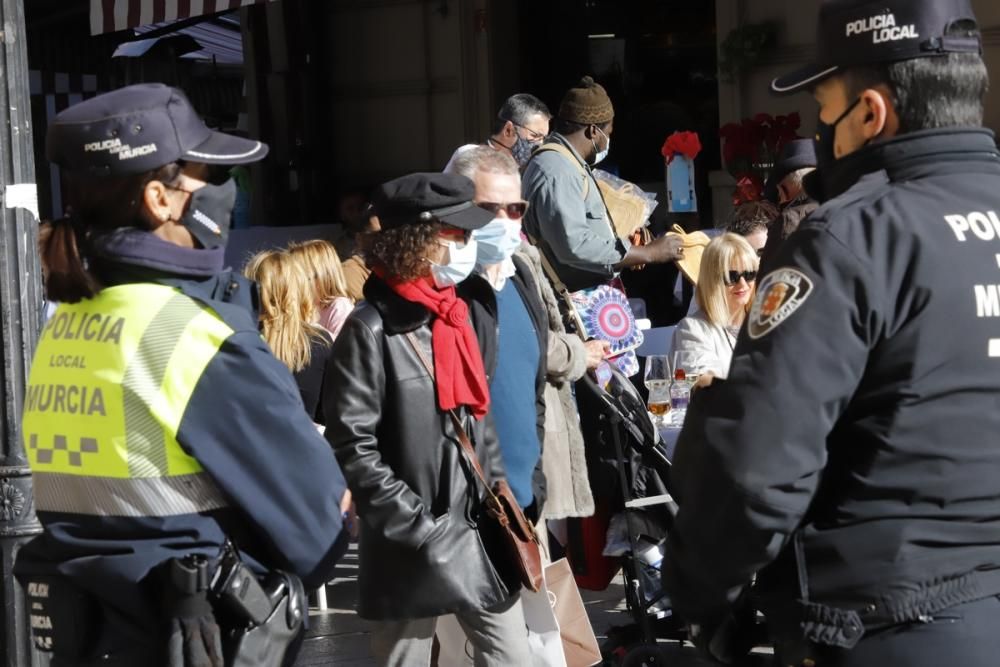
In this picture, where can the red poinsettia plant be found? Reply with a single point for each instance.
(681, 143)
(751, 147)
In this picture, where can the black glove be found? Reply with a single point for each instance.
(195, 642)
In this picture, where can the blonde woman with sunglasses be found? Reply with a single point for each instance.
(726, 283)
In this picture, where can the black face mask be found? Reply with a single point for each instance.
(825, 136)
(210, 213)
(817, 183)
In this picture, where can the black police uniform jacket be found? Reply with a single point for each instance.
(247, 427)
(418, 501)
(860, 421)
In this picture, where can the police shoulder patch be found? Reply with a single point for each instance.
(779, 294)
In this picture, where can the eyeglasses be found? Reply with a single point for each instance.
(536, 137)
(733, 277)
(514, 210)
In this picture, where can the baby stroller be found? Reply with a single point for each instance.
(644, 471)
(631, 450)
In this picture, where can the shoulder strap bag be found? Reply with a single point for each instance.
(519, 537)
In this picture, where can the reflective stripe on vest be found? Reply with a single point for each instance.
(109, 385)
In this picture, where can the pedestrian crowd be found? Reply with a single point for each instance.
(218, 435)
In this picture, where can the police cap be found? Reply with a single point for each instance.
(861, 32)
(137, 129)
(427, 197)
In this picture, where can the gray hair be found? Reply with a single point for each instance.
(519, 109)
(794, 179)
(484, 159)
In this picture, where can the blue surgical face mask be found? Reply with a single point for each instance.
(600, 155)
(497, 241)
(459, 265)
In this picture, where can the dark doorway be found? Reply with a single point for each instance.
(657, 59)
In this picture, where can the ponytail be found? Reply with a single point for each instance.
(65, 270)
(99, 205)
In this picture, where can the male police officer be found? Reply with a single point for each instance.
(852, 457)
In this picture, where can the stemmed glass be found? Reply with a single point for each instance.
(657, 379)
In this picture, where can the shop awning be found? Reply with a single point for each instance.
(114, 15)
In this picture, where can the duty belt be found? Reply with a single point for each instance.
(832, 625)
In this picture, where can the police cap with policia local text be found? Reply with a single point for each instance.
(140, 128)
(861, 32)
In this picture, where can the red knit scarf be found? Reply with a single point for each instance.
(458, 362)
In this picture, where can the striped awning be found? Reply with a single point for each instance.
(114, 15)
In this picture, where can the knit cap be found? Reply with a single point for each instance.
(587, 104)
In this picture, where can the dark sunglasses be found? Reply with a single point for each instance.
(515, 210)
(733, 277)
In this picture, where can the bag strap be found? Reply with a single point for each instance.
(558, 285)
(556, 147)
(463, 437)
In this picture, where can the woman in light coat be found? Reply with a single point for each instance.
(725, 290)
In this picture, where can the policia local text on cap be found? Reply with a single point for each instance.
(849, 459)
(142, 420)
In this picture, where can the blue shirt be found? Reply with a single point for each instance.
(512, 393)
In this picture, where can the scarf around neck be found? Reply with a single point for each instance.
(460, 377)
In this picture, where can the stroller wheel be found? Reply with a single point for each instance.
(644, 656)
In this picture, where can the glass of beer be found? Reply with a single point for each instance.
(657, 378)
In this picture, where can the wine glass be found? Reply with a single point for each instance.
(657, 379)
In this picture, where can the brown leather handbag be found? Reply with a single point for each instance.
(517, 533)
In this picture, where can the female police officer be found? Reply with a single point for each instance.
(156, 421)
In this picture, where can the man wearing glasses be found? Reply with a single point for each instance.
(520, 127)
(517, 385)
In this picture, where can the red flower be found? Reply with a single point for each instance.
(749, 188)
(681, 143)
(752, 146)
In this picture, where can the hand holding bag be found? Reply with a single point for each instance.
(517, 533)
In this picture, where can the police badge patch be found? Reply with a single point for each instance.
(778, 296)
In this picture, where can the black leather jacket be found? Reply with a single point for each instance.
(421, 554)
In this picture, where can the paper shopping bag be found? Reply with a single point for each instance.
(579, 642)
(544, 638)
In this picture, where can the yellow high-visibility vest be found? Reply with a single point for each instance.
(111, 379)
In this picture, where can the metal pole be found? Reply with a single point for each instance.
(20, 318)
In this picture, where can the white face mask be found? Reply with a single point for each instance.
(497, 241)
(459, 266)
(599, 157)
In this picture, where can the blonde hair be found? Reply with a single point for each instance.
(726, 252)
(319, 260)
(287, 309)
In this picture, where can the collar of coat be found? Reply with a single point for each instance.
(909, 156)
(400, 316)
